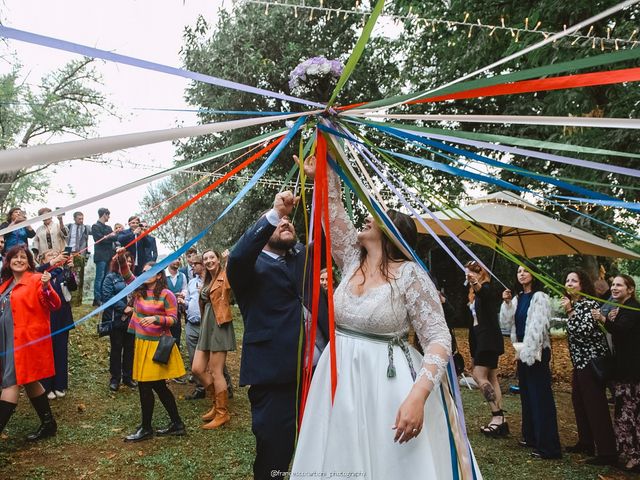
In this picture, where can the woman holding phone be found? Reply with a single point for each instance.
(20, 236)
(26, 298)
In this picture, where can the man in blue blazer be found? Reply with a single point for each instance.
(266, 273)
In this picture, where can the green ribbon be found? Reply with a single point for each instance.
(530, 73)
(357, 51)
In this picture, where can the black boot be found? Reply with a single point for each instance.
(174, 428)
(6, 410)
(142, 433)
(48, 426)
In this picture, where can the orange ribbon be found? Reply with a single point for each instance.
(540, 85)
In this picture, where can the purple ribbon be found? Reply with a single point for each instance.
(50, 42)
(530, 153)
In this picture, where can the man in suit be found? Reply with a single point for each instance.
(266, 273)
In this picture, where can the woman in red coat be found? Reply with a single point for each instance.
(26, 355)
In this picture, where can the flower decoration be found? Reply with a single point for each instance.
(315, 78)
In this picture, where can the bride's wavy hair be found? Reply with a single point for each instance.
(390, 252)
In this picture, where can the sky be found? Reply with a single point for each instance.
(146, 29)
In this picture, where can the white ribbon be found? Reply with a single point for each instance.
(129, 186)
(631, 123)
(19, 158)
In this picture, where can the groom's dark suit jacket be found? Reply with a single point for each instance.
(270, 295)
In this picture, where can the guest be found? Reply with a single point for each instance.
(19, 236)
(151, 253)
(1, 251)
(527, 317)
(116, 318)
(486, 345)
(154, 311)
(188, 269)
(63, 282)
(624, 325)
(50, 235)
(140, 248)
(587, 342)
(26, 300)
(217, 337)
(104, 238)
(193, 321)
(79, 242)
(177, 283)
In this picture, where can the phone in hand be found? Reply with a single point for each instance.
(67, 250)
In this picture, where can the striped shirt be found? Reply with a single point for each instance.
(164, 308)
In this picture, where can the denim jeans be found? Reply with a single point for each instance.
(101, 272)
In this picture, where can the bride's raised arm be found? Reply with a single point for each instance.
(344, 237)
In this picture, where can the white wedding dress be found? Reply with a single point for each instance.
(353, 437)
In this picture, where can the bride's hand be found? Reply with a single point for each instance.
(309, 166)
(410, 418)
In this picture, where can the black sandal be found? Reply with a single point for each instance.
(496, 430)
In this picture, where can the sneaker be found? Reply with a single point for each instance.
(60, 393)
(179, 381)
(51, 396)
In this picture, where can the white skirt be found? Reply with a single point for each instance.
(353, 438)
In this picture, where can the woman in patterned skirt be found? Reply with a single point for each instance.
(624, 326)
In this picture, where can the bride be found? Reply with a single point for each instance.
(388, 418)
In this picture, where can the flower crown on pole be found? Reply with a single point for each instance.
(315, 78)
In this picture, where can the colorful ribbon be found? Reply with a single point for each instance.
(58, 44)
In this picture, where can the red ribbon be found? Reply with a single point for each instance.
(555, 83)
(320, 214)
(211, 187)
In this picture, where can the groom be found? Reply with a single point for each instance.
(266, 272)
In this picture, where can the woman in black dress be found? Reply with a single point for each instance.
(486, 345)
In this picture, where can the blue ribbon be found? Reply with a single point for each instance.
(403, 135)
(161, 265)
(56, 43)
(491, 180)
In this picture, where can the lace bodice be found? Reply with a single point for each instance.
(410, 299)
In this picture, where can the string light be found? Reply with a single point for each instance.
(515, 31)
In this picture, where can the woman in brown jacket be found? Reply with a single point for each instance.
(217, 337)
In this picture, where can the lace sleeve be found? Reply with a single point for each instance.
(344, 239)
(427, 318)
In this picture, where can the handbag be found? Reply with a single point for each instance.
(104, 327)
(602, 367)
(163, 351)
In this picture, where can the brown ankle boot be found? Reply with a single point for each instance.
(222, 411)
(210, 415)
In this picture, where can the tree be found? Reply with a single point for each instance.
(450, 51)
(250, 47)
(65, 102)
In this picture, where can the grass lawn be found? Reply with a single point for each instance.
(92, 422)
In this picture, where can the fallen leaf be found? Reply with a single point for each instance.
(81, 407)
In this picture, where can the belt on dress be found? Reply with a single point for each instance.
(391, 341)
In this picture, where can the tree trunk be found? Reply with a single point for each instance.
(6, 181)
